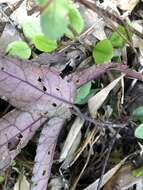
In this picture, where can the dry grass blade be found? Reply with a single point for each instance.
(76, 127)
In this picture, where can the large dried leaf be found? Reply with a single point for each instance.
(39, 93)
(16, 129)
(33, 88)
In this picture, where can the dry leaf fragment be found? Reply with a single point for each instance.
(23, 84)
(107, 176)
(76, 127)
(126, 5)
(96, 101)
(22, 184)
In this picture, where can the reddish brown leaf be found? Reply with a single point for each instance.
(16, 129)
(39, 92)
(45, 153)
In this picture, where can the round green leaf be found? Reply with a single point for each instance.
(19, 49)
(76, 20)
(31, 27)
(139, 131)
(138, 113)
(42, 43)
(116, 39)
(54, 21)
(82, 92)
(103, 51)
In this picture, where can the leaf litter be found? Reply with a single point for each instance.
(43, 113)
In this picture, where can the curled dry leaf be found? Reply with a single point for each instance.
(96, 101)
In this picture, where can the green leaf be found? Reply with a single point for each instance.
(82, 92)
(1, 179)
(85, 100)
(103, 51)
(139, 131)
(69, 34)
(41, 2)
(43, 43)
(138, 113)
(76, 20)
(31, 27)
(138, 172)
(54, 21)
(19, 49)
(117, 40)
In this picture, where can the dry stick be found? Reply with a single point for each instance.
(106, 14)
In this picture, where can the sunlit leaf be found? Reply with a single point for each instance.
(76, 20)
(103, 51)
(119, 38)
(19, 49)
(54, 21)
(31, 27)
(42, 43)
